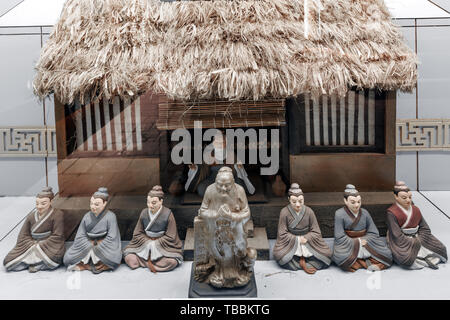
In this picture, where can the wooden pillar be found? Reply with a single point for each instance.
(60, 125)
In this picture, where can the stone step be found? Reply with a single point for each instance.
(259, 241)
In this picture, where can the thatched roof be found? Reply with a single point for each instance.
(223, 49)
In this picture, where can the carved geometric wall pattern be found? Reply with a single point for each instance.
(412, 135)
(28, 142)
(423, 135)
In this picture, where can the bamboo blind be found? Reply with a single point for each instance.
(221, 114)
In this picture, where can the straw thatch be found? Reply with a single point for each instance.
(223, 49)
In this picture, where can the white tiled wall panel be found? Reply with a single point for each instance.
(434, 100)
(406, 168)
(6, 5)
(18, 56)
(19, 107)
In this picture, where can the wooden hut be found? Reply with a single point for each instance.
(124, 73)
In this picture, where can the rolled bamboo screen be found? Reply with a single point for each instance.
(221, 114)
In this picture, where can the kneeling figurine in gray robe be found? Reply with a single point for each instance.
(299, 242)
(357, 242)
(97, 245)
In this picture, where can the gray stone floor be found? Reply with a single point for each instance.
(272, 282)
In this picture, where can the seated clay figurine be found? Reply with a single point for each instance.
(97, 244)
(40, 245)
(357, 243)
(299, 242)
(223, 259)
(199, 177)
(155, 243)
(409, 236)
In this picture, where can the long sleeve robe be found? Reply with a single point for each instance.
(405, 249)
(292, 225)
(158, 236)
(108, 250)
(346, 248)
(41, 240)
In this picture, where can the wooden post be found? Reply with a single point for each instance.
(60, 125)
(390, 119)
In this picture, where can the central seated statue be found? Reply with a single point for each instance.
(226, 262)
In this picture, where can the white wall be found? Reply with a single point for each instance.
(444, 4)
(427, 170)
(5, 5)
(19, 52)
(406, 109)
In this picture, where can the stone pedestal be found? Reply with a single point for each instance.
(203, 290)
(257, 240)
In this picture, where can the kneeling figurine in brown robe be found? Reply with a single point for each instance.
(40, 245)
(357, 242)
(409, 236)
(155, 244)
(299, 242)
